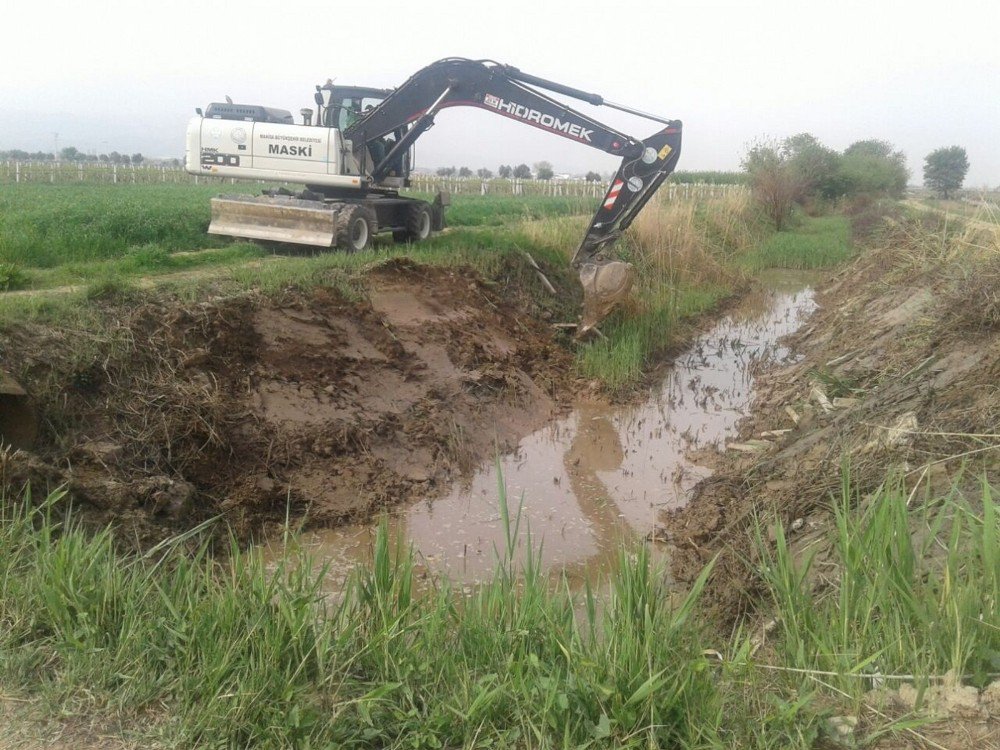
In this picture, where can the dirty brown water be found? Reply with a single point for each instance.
(599, 476)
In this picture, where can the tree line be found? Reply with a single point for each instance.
(72, 154)
(542, 171)
(801, 170)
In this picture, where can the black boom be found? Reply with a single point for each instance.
(502, 89)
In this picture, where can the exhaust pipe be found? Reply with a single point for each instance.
(18, 421)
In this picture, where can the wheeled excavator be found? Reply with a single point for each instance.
(353, 155)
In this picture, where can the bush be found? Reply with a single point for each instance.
(11, 277)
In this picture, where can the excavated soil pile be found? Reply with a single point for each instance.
(899, 370)
(331, 406)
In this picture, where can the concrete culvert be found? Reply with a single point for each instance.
(18, 421)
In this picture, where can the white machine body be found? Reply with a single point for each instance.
(269, 151)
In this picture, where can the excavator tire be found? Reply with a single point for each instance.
(356, 227)
(419, 222)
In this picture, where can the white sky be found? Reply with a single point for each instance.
(126, 75)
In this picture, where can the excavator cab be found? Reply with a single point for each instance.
(341, 107)
(336, 102)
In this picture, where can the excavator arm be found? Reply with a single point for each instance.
(505, 90)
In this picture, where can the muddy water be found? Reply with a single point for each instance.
(603, 473)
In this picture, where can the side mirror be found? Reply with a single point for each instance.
(199, 112)
(318, 98)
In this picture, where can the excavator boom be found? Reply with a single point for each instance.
(503, 90)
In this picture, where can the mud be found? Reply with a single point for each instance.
(602, 473)
(312, 404)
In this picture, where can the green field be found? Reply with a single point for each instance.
(53, 235)
(813, 242)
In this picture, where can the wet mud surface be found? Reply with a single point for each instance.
(602, 473)
(310, 405)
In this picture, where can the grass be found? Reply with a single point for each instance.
(184, 648)
(816, 242)
(44, 226)
(53, 235)
(899, 603)
(633, 338)
(231, 653)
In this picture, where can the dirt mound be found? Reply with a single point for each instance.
(887, 380)
(325, 402)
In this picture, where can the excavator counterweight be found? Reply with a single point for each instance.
(356, 155)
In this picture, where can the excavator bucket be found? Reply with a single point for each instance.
(605, 285)
(276, 218)
(607, 282)
(18, 423)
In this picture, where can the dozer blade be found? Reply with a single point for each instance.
(18, 423)
(274, 219)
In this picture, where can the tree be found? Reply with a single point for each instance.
(445, 171)
(773, 181)
(522, 172)
(872, 166)
(136, 158)
(115, 157)
(945, 170)
(592, 177)
(465, 172)
(505, 171)
(69, 153)
(483, 173)
(543, 170)
(814, 165)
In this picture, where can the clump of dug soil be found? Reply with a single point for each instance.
(320, 403)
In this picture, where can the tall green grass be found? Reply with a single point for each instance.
(231, 653)
(43, 226)
(501, 210)
(816, 242)
(192, 649)
(46, 226)
(897, 603)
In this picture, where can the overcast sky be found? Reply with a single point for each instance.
(127, 75)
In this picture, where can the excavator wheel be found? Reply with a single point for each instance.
(419, 222)
(356, 226)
